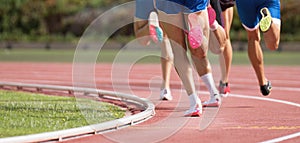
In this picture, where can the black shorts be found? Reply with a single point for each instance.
(226, 4)
(215, 4)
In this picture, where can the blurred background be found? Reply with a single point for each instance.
(58, 24)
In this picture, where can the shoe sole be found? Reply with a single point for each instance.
(155, 31)
(165, 95)
(266, 21)
(224, 94)
(211, 15)
(194, 114)
(195, 35)
(165, 99)
(211, 105)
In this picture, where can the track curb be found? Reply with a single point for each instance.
(147, 113)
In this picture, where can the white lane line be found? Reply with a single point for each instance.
(266, 99)
(256, 98)
(280, 139)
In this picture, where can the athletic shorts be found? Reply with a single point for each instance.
(215, 4)
(185, 6)
(227, 4)
(249, 11)
(143, 8)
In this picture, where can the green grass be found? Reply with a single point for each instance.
(36, 55)
(26, 113)
(108, 56)
(270, 58)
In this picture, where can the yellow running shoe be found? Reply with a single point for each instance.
(266, 20)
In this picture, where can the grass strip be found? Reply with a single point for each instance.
(26, 113)
(144, 55)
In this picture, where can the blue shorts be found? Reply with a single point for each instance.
(249, 11)
(143, 8)
(177, 6)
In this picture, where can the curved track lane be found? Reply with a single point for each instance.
(245, 116)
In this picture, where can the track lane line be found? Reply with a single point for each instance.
(280, 139)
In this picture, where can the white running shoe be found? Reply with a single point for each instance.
(156, 33)
(165, 94)
(194, 111)
(212, 102)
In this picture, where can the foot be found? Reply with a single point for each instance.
(194, 111)
(266, 20)
(156, 33)
(211, 15)
(224, 89)
(266, 89)
(212, 102)
(165, 94)
(195, 34)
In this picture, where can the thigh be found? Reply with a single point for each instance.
(248, 13)
(228, 17)
(173, 27)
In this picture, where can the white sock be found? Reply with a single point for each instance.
(194, 99)
(209, 82)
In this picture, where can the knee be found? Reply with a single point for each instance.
(253, 36)
(198, 54)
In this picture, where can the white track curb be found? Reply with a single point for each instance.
(149, 111)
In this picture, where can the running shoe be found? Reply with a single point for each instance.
(165, 94)
(224, 89)
(266, 20)
(211, 15)
(195, 34)
(194, 111)
(266, 89)
(212, 102)
(156, 33)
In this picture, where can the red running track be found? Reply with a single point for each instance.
(240, 118)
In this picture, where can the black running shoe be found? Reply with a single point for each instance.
(266, 89)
